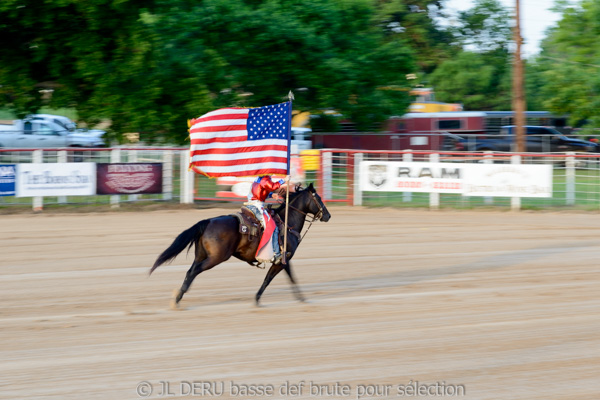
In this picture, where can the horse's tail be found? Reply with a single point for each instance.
(185, 238)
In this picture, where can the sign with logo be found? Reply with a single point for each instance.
(500, 180)
(8, 176)
(508, 180)
(411, 177)
(62, 179)
(129, 178)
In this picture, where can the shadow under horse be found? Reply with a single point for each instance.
(217, 239)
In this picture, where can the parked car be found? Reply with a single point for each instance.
(48, 131)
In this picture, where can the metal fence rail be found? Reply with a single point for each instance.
(174, 161)
(576, 178)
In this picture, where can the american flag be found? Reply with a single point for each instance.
(241, 141)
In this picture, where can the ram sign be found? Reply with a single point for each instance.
(411, 177)
(502, 180)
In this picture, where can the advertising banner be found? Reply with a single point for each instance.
(495, 180)
(129, 178)
(411, 177)
(508, 180)
(62, 179)
(7, 179)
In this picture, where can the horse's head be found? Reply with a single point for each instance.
(315, 205)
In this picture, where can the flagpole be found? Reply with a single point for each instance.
(287, 186)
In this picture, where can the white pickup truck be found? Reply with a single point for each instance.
(43, 131)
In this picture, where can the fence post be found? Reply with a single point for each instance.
(434, 198)
(132, 157)
(488, 159)
(407, 156)
(570, 178)
(62, 158)
(187, 179)
(358, 157)
(168, 175)
(38, 202)
(326, 160)
(515, 202)
(115, 157)
(349, 177)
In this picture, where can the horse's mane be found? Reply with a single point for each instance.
(278, 206)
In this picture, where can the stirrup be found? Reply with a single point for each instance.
(257, 264)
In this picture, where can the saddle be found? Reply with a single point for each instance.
(249, 225)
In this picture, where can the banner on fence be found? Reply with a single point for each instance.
(411, 177)
(7, 179)
(129, 178)
(508, 180)
(62, 179)
(501, 180)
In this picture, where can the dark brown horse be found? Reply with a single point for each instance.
(217, 239)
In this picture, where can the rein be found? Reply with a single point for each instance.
(316, 216)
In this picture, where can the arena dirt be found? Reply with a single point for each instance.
(401, 303)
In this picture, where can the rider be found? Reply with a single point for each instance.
(263, 188)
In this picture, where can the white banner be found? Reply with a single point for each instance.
(508, 180)
(411, 177)
(63, 179)
(500, 180)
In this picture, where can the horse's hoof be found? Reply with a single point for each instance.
(174, 303)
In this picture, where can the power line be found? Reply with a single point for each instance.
(571, 62)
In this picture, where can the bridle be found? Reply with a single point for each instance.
(315, 217)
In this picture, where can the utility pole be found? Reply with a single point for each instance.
(518, 101)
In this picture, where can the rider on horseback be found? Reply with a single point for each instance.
(262, 189)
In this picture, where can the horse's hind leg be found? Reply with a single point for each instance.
(295, 288)
(196, 268)
(273, 271)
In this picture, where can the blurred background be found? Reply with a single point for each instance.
(140, 69)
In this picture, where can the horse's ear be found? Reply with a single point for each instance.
(311, 187)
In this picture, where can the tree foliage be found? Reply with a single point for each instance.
(474, 81)
(148, 66)
(569, 65)
(478, 75)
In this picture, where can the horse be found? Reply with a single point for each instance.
(217, 239)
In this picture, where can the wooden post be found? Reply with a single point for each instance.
(285, 225)
(518, 86)
(287, 186)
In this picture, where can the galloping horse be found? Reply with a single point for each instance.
(217, 239)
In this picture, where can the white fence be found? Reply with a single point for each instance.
(575, 178)
(177, 181)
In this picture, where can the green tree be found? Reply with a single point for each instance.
(570, 64)
(479, 75)
(470, 79)
(150, 65)
(416, 22)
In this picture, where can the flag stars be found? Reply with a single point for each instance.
(268, 122)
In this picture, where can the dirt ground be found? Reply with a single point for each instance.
(401, 303)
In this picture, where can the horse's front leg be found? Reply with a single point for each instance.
(295, 288)
(273, 271)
